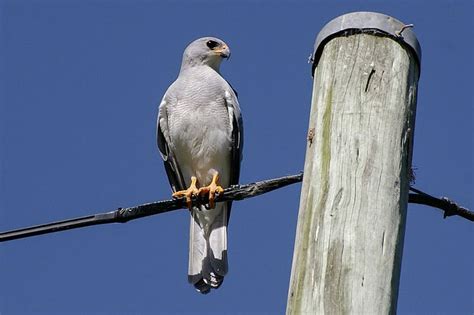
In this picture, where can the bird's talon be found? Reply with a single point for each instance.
(188, 193)
(212, 189)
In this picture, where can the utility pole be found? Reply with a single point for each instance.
(351, 221)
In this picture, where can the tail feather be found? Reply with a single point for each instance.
(208, 248)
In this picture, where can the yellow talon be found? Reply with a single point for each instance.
(188, 193)
(212, 189)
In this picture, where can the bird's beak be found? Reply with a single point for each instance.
(223, 51)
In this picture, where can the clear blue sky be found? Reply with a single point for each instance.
(80, 82)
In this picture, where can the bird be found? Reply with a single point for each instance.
(200, 139)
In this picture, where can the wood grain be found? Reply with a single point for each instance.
(354, 196)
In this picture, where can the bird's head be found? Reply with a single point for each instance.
(205, 51)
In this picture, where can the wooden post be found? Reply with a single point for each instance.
(351, 221)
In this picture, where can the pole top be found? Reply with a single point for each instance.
(370, 23)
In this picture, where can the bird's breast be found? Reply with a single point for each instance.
(200, 129)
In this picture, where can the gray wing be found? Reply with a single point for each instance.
(237, 132)
(175, 176)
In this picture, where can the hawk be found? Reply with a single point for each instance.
(200, 138)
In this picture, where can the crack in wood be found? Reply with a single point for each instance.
(368, 79)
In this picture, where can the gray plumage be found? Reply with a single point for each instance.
(199, 133)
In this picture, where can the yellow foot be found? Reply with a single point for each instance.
(212, 189)
(188, 193)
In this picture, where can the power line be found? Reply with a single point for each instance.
(236, 192)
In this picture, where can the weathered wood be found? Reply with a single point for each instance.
(352, 212)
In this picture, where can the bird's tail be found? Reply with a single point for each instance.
(208, 247)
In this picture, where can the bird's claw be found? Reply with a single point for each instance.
(188, 193)
(212, 189)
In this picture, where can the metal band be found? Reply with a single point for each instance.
(366, 22)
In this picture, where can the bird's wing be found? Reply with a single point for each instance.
(235, 117)
(237, 133)
(175, 176)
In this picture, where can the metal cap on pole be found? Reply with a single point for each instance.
(369, 23)
(351, 220)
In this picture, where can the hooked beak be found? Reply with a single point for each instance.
(223, 51)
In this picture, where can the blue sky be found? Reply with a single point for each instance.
(80, 83)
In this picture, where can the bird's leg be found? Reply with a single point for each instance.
(212, 189)
(188, 193)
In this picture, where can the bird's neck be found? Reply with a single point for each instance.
(214, 65)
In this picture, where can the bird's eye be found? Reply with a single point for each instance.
(212, 44)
